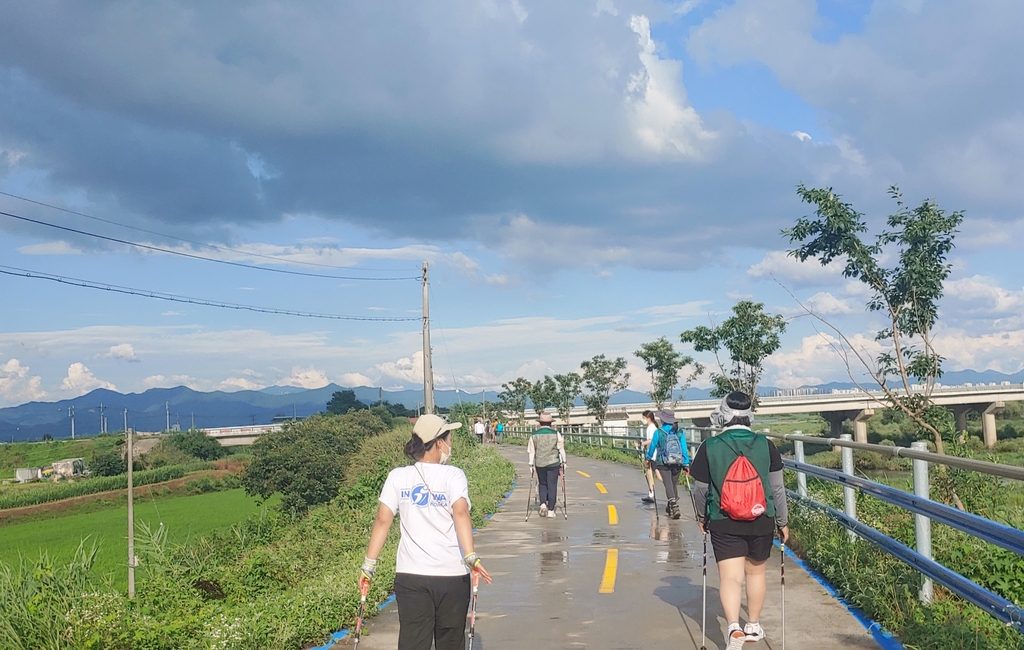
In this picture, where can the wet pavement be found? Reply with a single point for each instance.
(613, 576)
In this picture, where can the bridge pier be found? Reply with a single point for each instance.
(988, 419)
(859, 418)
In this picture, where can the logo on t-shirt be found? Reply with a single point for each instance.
(422, 497)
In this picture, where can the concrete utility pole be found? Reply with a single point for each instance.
(428, 366)
(103, 420)
(71, 414)
(131, 511)
(167, 409)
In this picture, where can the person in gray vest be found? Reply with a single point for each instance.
(546, 450)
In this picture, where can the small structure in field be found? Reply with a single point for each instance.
(28, 474)
(69, 467)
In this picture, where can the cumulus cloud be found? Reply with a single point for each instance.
(309, 377)
(354, 379)
(17, 385)
(160, 381)
(232, 384)
(791, 271)
(122, 351)
(819, 360)
(80, 380)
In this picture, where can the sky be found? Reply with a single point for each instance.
(581, 177)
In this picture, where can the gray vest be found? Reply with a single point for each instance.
(545, 448)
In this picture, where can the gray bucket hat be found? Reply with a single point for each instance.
(667, 416)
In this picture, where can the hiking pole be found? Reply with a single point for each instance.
(654, 491)
(529, 495)
(782, 572)
(472, 610)
(704, 606)
(364, 588)
(565, 497)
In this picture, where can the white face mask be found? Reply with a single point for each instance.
(445, 455)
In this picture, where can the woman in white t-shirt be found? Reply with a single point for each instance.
(435, 552)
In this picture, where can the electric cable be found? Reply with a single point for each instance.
(159, 295)
(171, 251)
(223, 249)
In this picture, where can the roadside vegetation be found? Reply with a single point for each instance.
(277, 579)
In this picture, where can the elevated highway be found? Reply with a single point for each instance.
(836, 407)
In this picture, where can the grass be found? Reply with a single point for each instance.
(184, 517)
(41, 454)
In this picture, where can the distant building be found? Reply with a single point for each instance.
(27, 474)
(69, 468)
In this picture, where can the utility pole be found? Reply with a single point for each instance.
(428, 366)
(131, 511)
(380, 395)
(103, 420)
(167, 409)
(193, 422)
(71, 414)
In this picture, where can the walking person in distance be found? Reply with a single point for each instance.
(669, 457)
(740, 498)
(650, 426)
(435, 551)
(546, 451)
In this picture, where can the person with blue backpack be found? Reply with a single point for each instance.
(669, 457)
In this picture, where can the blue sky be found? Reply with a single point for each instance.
(582, 177)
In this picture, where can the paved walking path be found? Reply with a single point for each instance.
(549, 575)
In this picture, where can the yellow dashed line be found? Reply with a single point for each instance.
(611, 566)
(613, 515)
(600, 488)
(583, 473)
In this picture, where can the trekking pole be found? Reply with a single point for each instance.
(654, 491)
(364, 588)
(704, 606)
(529, 496)
(565, 497)
(782, 573)
(472, 611)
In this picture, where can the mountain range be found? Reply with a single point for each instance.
(153, 409)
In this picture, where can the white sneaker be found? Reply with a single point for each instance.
(754, 632)
(551, 514)
(543, 510)
(736, 638)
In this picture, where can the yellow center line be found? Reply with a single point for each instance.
(583, 474)
(600, 488)
(613, 515)
(611, 566)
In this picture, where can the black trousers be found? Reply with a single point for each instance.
(548, 479)
(432, 609)
(670, 477)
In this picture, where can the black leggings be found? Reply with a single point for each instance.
(431, 609)
(670, 477)
(548, 490)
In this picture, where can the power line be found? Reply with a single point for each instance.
(193, 256)
(10, 270)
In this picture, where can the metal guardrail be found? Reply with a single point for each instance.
(919, 503)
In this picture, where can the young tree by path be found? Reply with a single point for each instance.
(542, 393)
(567, 388)
(906, 294)
(513, 398)
(748, 337)
(602, 378)
(664, 363)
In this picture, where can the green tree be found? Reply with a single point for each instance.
(567, 388)
(665, 363)
(748, 337)
(305, 461)
(197, 444)
(108, 463)
(906, 293)
(602, 378)
(542, 393)
(513, 396)
(343, 401)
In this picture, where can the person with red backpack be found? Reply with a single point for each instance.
(740, 498)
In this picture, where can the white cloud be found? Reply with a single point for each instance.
(308, 377)
(824, 303)
(801, 136)
(160, 381)
(981, 296)
(81, 380)
(353, 379)
(56, 247)
(790, 271)
(17, 385)
(232, 384)
(407, 371)
(818, 360)
(122, 351)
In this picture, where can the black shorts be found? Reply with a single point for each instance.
(753, 547)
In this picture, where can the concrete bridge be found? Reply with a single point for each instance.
(239, 436)
(837, 407)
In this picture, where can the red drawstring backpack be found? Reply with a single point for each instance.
(742, 496)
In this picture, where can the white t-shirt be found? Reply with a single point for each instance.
(651, 428)
(478, 428)
(422, 496)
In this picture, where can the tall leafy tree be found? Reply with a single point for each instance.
(665, 363)
(602, 378)
(513, 398)
(542, 393)
(343, 401)
(746, 338)
(567, 388)
(906, 293)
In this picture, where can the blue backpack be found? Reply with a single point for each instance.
(671, 448)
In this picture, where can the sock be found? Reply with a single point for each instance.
(734, 626)
(650, 494)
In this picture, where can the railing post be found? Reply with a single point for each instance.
(849, 493)
(922, 524)
(801, 478)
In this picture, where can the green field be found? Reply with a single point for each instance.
(40, 454)
(182, 516)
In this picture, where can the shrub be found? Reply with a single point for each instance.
(196, 444)
(108, 463)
